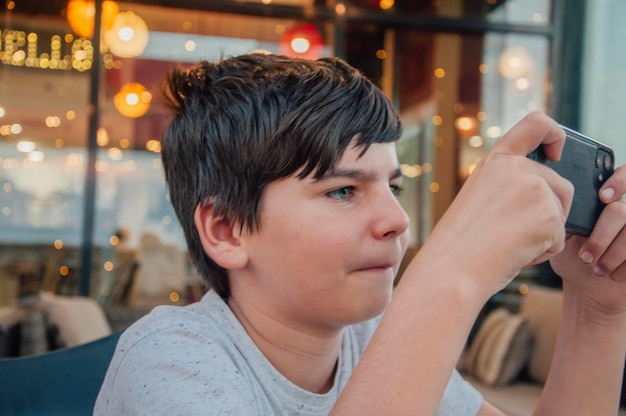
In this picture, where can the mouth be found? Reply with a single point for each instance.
(378, 267)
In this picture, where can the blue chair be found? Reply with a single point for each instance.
(62, 382)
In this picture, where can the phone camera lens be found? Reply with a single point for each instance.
(599, 160)
(600, 177)
(607, 162)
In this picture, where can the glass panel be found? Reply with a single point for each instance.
(44, 83)
(513, 80)
(527, 12)
(604, 77)
(434, 79)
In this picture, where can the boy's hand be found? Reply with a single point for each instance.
(511, 211)
(596, 266)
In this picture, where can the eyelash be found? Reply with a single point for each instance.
(335, 193)
(395, 189)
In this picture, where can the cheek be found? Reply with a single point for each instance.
(307, 245)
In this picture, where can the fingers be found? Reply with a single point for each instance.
(605, 249)
(615, 186)
(534, 129)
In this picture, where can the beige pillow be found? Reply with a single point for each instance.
(542, 307)
(500, 349)
(79, 319)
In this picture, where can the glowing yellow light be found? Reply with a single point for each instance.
(524, 289)
(515, 62)
(58, 244)
(471, 168)
(81, 13)
(128, 36)
(434, 187)
(340, 9)
(114, 240)
(64, 270)
(476, 141)
(102, 137)
(174, 297)
(133, 100)
(437, 120)
(386, 4)
(411, 171)
(440, 73)
(153, 146)
(466, 126)
(108, 266)
(53, 121)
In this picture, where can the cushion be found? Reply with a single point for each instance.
(79, 319)
(500, 349)
(542, 307)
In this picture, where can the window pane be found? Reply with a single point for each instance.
(44, 83)
(527, 12)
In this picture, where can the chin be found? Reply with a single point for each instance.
(373, 305)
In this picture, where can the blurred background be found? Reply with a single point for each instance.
(83, 205)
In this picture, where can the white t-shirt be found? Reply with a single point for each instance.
(198, 360)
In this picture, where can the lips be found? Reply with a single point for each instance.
(377, 266)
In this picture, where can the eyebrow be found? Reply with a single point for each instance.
(360, 174)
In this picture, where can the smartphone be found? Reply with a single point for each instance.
(587, 164)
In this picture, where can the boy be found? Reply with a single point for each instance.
(284, 176)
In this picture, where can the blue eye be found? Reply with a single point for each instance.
(396, 189)
(341, 194)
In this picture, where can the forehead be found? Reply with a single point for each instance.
(383, 154)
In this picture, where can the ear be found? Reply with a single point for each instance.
(220, 238)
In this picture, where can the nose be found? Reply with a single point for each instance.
(391, 220)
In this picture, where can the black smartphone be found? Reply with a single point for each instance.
(587, 164)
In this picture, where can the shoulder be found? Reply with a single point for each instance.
(172, 333)
(187, 353)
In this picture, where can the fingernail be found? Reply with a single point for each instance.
(586, 257)
(607, 193)
(598, 271)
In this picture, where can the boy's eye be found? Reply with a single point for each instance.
(341, 194)
(396, 189)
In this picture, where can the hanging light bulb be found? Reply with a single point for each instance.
(132, 100)
(515, 62)
(128, 36)
(81, 13)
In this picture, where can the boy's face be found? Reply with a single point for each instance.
(328, 249)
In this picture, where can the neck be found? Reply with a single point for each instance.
(307, 358)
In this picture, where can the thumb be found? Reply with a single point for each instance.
(533, 130)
